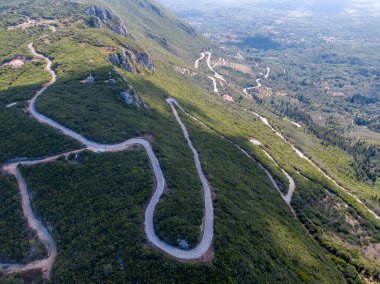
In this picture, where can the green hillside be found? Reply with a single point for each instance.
(151, 22)
(94, 205)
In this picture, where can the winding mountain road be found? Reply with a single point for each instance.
(45, 265)
(43, 234)
(216, 74)
(216, 77)
(292, 186)
(258, 84)
(196, 64)
(298, 152)
(266, 76)
(208, 55)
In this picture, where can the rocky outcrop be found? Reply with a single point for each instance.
(131, 98)
(121, 60)
(187, 28)
(152, 7)
(144, 60)
(104, 18)
(156, 10)
(131, 60)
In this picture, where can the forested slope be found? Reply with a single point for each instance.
(94, 204)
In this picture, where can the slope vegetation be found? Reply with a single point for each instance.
(95, 214)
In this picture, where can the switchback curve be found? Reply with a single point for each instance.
(43, 234)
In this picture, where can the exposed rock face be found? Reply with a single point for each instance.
(152, 7)
(101, 13)
(128, 97)
(163, 41)
(104, 17)
(131, 60)
(156, 10)
(89, 80)
(121, 60)
(143, 59)
(187, 28)
(131, 98)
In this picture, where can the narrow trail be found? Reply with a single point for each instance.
(292, 186)
(216, 74)
(266, 76)
(303, 156)
(216, 77)
(258, 84)
(11, 105)
(214, 83)
(43, 234)
(239, 56)
(196, 64)
(296, 124)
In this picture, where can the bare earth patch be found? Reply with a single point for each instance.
(185, 71)
(373, 252)
(15, 62)
(255, 142)
(29, 23)
(149, 137)
(228, 98)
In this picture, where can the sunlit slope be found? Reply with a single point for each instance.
(257, 239)
(149, 22)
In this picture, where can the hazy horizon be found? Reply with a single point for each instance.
(315, 6)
